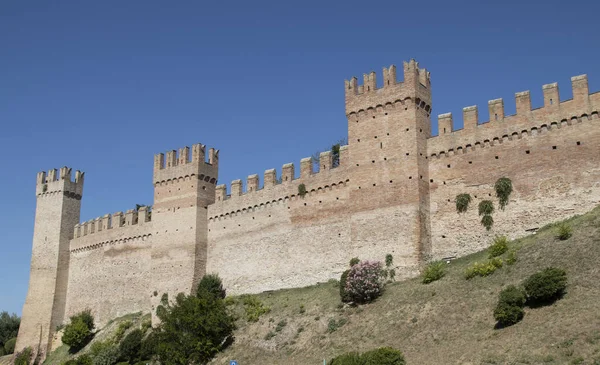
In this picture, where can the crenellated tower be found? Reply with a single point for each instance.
(388, 128)
(184, 185)
(57, 212)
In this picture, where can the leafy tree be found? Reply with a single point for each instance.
(9, 346)
(131, 345)
(78, 332)
(192, 329)
(9, 327)
(212, 284)
(545, 286)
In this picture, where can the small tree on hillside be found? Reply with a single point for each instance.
(192, 329)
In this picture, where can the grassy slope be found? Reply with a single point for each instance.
(61, 354)
(446, 322)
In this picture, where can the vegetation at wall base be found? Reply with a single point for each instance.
(78, 332)
(364, 282)
(499, 247)
(213, 284)
(23, 357)
(433, 272)
(564, 231)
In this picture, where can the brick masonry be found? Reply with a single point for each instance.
(392, 192)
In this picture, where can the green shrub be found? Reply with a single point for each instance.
(23, 357)
(76, 335)
(497, 262)
(354, 261)
(434, 271)
(254, 308)
(389, 260)
(462, 202)
(212, 283)
(146, 326)
(350, 358)
(86, 317)
(281, 325)
(81, 360)
(545, 286)
(486, 207)
(487, 221)
(334, 324)
(2, 352)
(482, 269)
(512, 295)
(511, 258)
(9, 327)
(507, 315)
(123, 327)
(564, 232)
(107, 355)
(301, 190)
(499, 247)
(9, 346)
(192, 329)
(148, 348)
(131, 345)
(365, 282)
(383, 356)
(503, 189)
(344, 295)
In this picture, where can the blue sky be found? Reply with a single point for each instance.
(102, 86)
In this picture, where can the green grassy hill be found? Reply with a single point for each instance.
(449, 321)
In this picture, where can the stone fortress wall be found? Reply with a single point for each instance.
(392, 192)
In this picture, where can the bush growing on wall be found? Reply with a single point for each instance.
(301, 190)
(364, 282)
(486, 208)
(462, 202)
(503, 189)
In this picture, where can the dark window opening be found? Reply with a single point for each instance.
(496, 157)
(578, 143)
(527, 152)
(448, 166)
(553, 147)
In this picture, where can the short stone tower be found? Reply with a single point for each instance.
(57, 212)
(183, 189)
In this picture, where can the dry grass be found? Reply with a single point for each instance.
(449, 321)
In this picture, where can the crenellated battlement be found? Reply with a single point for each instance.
(287, 176)
(582, 103)
(178, 164)
(554, 114)
(113, 221)
(60, 181)
(416, 85)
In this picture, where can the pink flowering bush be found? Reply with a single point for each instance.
(364, 282)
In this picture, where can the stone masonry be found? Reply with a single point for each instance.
(393, 191)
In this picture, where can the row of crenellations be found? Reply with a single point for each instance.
(175, 158)
(523, 105)
(113, 221)
(52, 175)
(287, 174)
(389, 78)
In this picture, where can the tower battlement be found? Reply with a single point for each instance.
(57, 181)
(416, 84)
(178, 164)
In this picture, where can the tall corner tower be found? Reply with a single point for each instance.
(57, 212)
(388, 128)
(184, 186)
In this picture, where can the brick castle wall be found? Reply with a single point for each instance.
(393, 192)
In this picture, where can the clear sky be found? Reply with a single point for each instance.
(102, 86)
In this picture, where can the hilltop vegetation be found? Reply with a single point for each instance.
(448, 321)
(491, 307)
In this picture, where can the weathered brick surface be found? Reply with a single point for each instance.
(393, 192)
